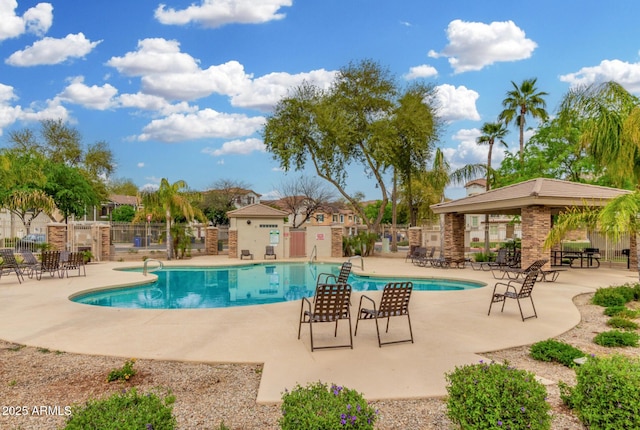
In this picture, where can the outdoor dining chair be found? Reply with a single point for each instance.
(74, 261)
(246, 253)
(517, 290)
(341, 278)
(50, 264)
(270, 252)
(393, 303)
(10, 264)
(330, 305)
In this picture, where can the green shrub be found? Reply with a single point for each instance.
(553, 350)
(490, 396)
(127, 410)
(480, 257)
(607, 393)
(611, 311)
(623, 323)
(124, 373)
(318, 406)
(614, 338)
(612, 296)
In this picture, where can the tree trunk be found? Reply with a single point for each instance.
(169, 241)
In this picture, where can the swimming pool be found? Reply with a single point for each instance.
(228, 286)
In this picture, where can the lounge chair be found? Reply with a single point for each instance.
(517, 290)
(424, 256)
(330, 305)
(246, 253)
(270, 252)
(30, 264)
(500, 261)
(10, 264)
(394, 303)
(50, 264)
(75, 261)
(515, 273)
(341, 278)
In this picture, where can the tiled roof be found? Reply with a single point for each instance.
(257, 210)
(553, 193)
(120, 199)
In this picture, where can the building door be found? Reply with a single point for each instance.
(297, 243)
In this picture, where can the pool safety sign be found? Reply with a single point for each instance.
(274, 237)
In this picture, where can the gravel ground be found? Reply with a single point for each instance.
(207, 395)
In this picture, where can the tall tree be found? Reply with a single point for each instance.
(303, 197)
(336, 128)
(520, 102)
(414, 129)
(491, 132)
(72, 192)
(221, 198)
(170, 200)
(123, 186)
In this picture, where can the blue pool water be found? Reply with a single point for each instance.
(222, 287)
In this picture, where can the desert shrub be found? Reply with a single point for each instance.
(490, 396)
(613, 296)
(623, 323)
(480, 257)
(611, 311)
(322, 407)
(607, 393)
(615, 338)
(124, 373)
(126, 410)
(553, 350)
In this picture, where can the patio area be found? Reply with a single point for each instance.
(451, 328)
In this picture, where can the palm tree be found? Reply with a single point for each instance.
(521, 101)
(610, 122)
(170, 200)
(491, 131)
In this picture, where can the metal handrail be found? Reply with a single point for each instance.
(144, 268)
(314, 254)
(361, 260)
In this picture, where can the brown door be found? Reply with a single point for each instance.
(297, 243)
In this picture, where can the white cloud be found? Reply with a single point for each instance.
(456, 103)
(206, 123)
(474, 45)
(422, 71)
(140, 164)
(52, 51)
(626, 74)
(469, 152)
(92, 97)
(154, 56)
(9, 114)
(36, 20)
(216, 13)
(153, 103)
(264, 92)
(239, 147)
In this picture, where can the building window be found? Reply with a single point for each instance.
(320, 217)
(334, 218)
(474, 221)
(342, 219)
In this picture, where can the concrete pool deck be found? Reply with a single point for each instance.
(451, 328)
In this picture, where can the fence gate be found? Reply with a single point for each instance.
(297, 240)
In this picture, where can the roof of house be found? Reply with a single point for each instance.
(480, 182)
(257, 210)
(552, 193)
(120, 199)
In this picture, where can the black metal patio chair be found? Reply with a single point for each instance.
(393, 303)
(516, 290)
(330, 305)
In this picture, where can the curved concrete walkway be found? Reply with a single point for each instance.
(450, 328)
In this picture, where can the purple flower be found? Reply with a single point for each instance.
(522, 409)
(348, 407)
(499, 423)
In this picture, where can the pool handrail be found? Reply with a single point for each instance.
(361, 260)
(314, 254)
(144, 268)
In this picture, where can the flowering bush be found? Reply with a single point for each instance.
(491, 396)
(321, 407)
(607, 393)
(124, 373)
(126, 410)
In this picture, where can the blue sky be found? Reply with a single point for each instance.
(182, 89)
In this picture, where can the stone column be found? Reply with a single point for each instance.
(233, 243)
(211, 241)
(104, 237)
(633, 252)
(415, 236)
(336, 241)
(57, 236)
(454, 227)
(536, 224)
